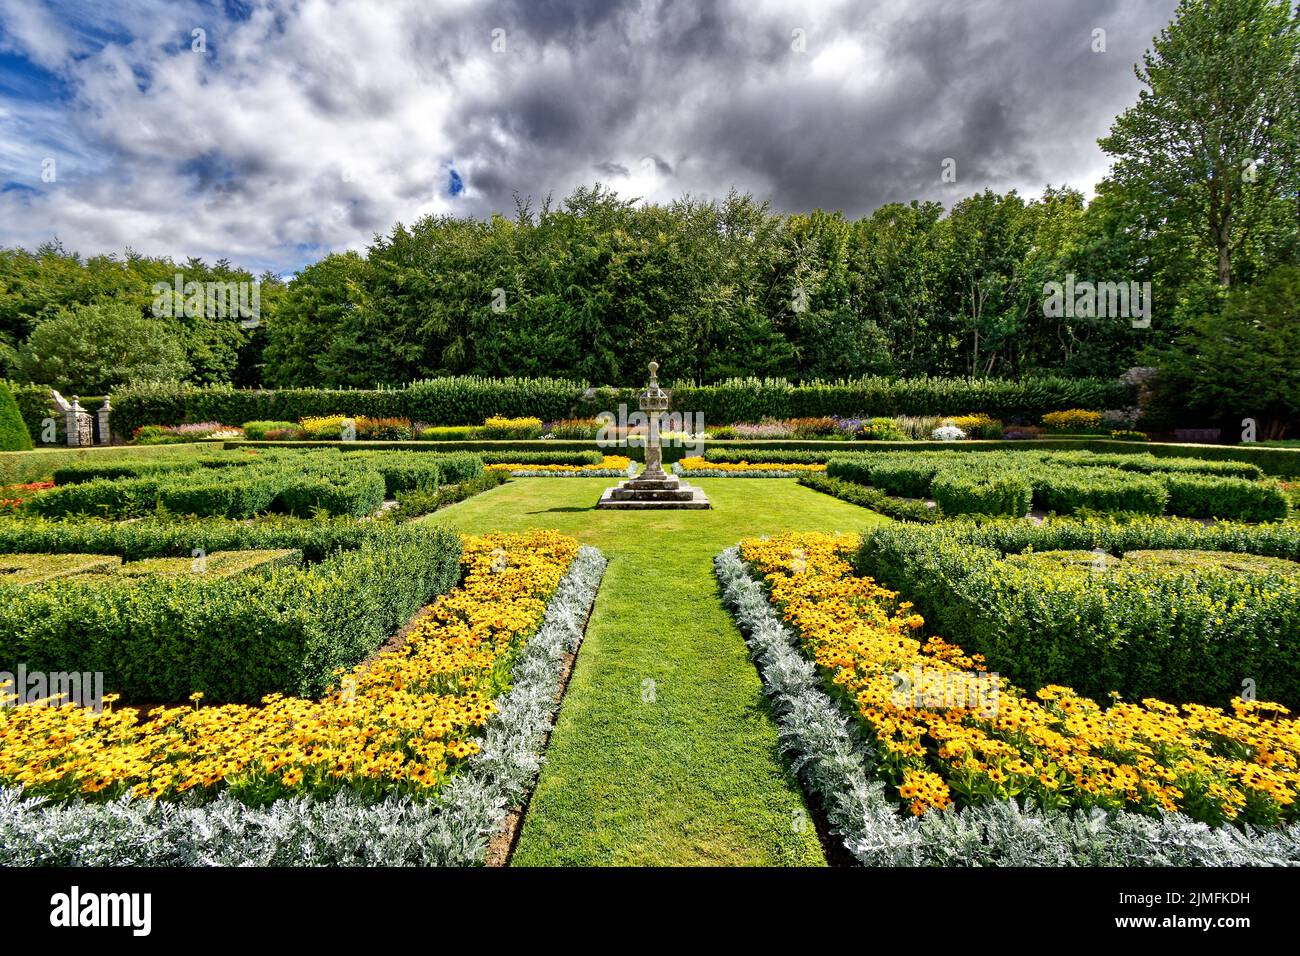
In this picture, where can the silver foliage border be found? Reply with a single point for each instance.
(834, 762)
(344, 830)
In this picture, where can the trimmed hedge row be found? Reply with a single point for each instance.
(542, 457)
(1067, 483)
(1280, 462)
(1180, 633)
(234, 639)
(1139, 462)
(460, 400)
(968, 494)
(1205, 496)
(296, 483)
(900, 509)
(21, 467)
(1071, 490)
(82, 471)
(422, 501)
(749, 400)
(154, 537)
(468, 400)
(35, 568)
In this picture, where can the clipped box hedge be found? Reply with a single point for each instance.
(468, 400)
(1069, 483)
(1069, 490)
(1184, 631)
(240, 486)
(35, 568)
(219, 564)
(959, 494)
(1207, 496)
(1227, 459)
(162, 637)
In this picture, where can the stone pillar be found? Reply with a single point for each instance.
(654, 402)
(78, 425)
(105, 435)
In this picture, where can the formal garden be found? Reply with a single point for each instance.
(911, 637)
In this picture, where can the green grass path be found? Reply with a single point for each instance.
(665, 751)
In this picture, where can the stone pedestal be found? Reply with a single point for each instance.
(653, 488)
(643, 493)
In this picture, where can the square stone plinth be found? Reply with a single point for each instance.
(637, 494)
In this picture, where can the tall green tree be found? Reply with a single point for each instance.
(1241, 358)
(93, 348)
(1212, 139)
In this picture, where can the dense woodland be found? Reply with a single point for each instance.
(1204, 204)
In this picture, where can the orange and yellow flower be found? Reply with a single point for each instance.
(941, 744)
(403, 721)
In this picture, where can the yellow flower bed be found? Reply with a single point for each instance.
(403, 723)
(1073, 419)
(942, 742)
(513, 424)
(700, 464)
(608, 463)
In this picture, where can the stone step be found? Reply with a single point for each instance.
(683, 499)
(652, 484)
(694, 504)
(640, 494)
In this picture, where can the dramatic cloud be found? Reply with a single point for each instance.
(273, 132)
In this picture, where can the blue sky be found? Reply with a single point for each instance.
(273, 132)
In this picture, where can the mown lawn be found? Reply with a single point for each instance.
(665, 752)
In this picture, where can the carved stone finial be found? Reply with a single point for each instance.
(654, 370)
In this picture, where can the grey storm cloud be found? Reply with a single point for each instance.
(315, 124)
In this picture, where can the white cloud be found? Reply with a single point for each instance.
(307, 127)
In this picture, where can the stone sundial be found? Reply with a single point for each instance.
(653, 488)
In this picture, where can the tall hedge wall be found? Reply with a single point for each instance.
(467, 400)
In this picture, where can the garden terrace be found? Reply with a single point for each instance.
(234, 637)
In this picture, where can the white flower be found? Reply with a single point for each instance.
(948, 433)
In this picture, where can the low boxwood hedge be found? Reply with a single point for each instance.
(1206, 496)
(35, 568)
(1070, 483)
(1070, 490)
(900, 509)
(237, 486)
(161, 638)
(219, 564)
(358, 497)
(1192, 632)
(963, 494)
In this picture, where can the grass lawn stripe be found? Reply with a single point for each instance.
(665, 751)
